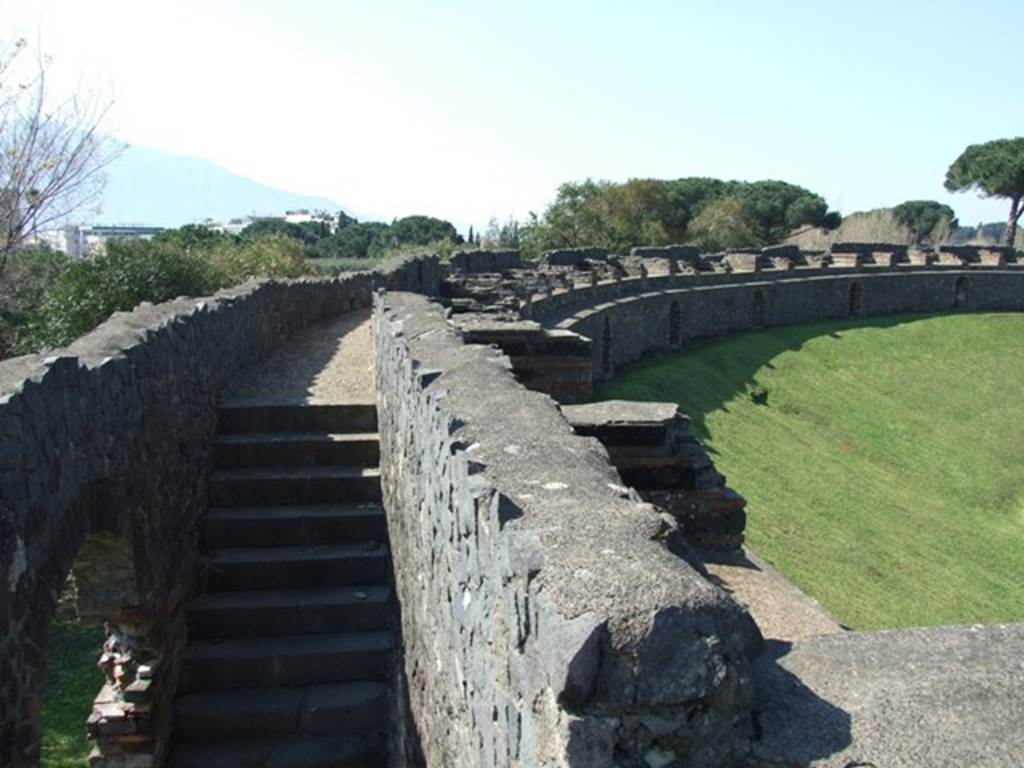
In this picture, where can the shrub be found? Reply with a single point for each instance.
(87, 292)
(28, 275)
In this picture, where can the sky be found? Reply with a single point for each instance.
(468, 110)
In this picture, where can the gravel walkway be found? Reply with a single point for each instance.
(329, 363)
(780, 609)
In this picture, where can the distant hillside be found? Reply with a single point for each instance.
(146, 186)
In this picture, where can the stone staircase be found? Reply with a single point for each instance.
(289, 652)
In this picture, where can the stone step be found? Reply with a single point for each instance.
(354, 417)
(367, 751)
(293, 485)
(296, 567)
(214, 615)
(315, 710)
(263, 662)
(293, 525)
(260, 449)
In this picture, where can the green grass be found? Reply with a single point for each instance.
(71, 683)
(885, 474)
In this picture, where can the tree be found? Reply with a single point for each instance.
(775, 208)
(926, 219)
(688, 195)
(993, 169)
(724, 223)
(421, 230)
(277, 228)
(52, 155)
(192, 237)
(355, 241)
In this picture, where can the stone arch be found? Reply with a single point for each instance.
(856, 300)
(757, 305)
(960, 292)
(93, 550)
(673, 324)
(606, 346)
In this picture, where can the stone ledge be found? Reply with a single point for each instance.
(940, 696)
(525, 527)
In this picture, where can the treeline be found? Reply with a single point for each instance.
(712, 214)
(353, 239)
(48, 299)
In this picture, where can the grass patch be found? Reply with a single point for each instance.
(883, 464)
(71, 683)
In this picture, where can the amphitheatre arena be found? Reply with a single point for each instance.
(381, 519)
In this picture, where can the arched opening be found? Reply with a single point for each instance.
(606, 347)
(88, 656)
(856, 303)
(960, 292)
(757, 310)
(673, 324)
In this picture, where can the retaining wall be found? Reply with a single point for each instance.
(108, 439)
(634, 317)
(546, 618)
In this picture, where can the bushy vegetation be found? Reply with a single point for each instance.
(28, 275)
(927, 220)
(61, 299)
(375, 239)
(882, 463)
(712, 213)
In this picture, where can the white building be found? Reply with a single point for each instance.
(78, 241)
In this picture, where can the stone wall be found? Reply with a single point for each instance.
(107, 441)
(547, 616)
(469, 262)
(637, 316)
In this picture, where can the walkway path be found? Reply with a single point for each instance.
(329, 363)
(289, 652)
(780, 609)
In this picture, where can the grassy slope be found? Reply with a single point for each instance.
(885, 475)
(71, 683)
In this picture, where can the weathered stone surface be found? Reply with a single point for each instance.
(948, 696)
(541, 605)
(484, 261)
(109, 440)
(572, 257)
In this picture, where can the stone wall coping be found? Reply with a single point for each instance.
(597, 549)
(124, 331)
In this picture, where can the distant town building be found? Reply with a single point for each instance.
(78, 241)
(302, 215)
(70, 239)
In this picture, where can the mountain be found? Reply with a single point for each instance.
(146, 186)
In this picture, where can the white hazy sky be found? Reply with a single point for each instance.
(465, 110)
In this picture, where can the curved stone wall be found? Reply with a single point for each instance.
(634, 317)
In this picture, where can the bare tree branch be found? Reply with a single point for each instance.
(52, 155)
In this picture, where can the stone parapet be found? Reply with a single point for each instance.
(108, 440)
(546, 619)
(651, 447)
